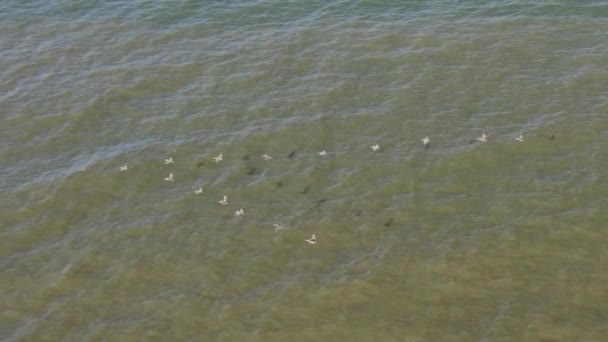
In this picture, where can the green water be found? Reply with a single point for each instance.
(462, 241)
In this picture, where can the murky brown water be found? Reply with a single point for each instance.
(463, 241)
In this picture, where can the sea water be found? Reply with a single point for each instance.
(502, 240)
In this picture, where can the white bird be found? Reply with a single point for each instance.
(199, 191)
(312, 240)
(323, 153)
(483, 137)
(266, 157)
(425, 141)
(375, 147)
(169, 161)
(239, 212)
(278, 227)
(520, 138)
(223, 201)
(219, 157)
(124, 168)
(169, 178)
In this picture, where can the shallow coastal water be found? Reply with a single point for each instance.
(463, 241)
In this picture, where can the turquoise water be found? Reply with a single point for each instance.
(462, 241)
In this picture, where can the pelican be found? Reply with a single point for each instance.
(312, 240)
(483, 138)
(425, 142)
(223, 201)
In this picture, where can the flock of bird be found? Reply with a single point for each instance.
(426, 143)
